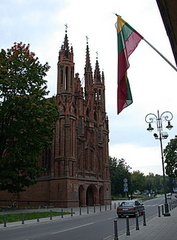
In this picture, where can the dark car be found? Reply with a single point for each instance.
(132, 207)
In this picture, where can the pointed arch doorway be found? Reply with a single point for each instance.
(90, 195)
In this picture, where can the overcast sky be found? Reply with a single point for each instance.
(41, 23)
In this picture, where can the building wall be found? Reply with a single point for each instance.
(77, 163)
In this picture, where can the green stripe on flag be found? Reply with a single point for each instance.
(123, 35)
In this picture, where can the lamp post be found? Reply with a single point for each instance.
(159, 119)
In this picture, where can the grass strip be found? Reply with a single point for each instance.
(16, 217)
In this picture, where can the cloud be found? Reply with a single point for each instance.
(144, 159)
(152, 80)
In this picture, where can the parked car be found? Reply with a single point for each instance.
(169, 195)
(131, 207)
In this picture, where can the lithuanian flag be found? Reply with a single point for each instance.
(128, 40)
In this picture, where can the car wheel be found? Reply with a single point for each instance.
(119, 216)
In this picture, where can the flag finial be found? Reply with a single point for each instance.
(116, 14)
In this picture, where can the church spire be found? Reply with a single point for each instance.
(88, 65)
(65, 67)
(99, 87)
(88, 69)
(97, 74)
(65, 46)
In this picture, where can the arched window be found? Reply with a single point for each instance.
(87, 112)
(100, 96)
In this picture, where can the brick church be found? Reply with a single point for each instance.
(77, 163)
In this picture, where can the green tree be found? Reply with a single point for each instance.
(170, 153)
(26, 117)
(154, 183)
(118, 171)
(137, 181)
(150, 182)
(158, 181)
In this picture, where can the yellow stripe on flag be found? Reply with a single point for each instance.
(120, 24)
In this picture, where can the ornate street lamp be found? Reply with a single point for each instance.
(159, 119)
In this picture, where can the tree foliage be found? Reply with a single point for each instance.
(118, 171)
(26, 117)
(170, 153)
(137, 181)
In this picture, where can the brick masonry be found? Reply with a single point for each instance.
(77, 163)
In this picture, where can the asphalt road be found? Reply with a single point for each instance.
(97, 226)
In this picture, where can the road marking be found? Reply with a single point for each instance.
(108, 238)
(151, 205)
(69, 229)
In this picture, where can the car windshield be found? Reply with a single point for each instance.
(126, 204)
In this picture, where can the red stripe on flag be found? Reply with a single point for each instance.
(132, 42)
(123, 64)
(122, 95)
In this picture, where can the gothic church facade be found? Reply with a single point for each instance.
(78, 162)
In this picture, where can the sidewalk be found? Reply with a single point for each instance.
(158, 228)
(73, 212)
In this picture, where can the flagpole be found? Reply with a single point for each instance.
(160, 54)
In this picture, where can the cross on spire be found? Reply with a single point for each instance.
(97, 55)
(87, 39)
(66, 27)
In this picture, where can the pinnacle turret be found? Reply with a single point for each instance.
(88, 69)
(88, 64)
(67, 52)
(97, 74)
(65, 45)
